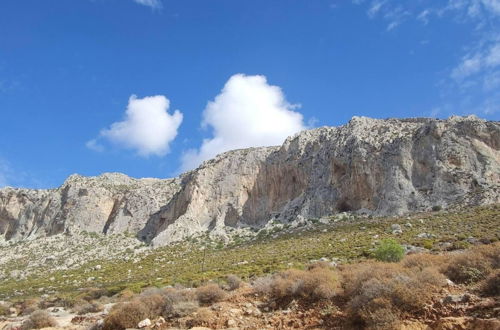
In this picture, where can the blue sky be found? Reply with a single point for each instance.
(153, 87)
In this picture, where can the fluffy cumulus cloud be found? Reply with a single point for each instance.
(148, 128)
(247, 113)
(156, 4)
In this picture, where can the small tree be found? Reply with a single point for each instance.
(390, 251)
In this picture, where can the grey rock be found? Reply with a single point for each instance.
(456, 298)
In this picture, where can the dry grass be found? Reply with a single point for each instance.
(210, 293)
(38, 320)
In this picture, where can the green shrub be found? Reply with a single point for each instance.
(389, 251)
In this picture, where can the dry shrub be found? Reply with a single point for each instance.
(263, 285)
(28, 306)
(152, 291)
(38, 320)
(125, 315)
(314, 284)
(423, 260)
(319, 264)
(379, 313)
(92, 293)
(490, 287)
(84, 307)
(210, 293)
(154, 303)
(179, 303)
(490, 252)
(401, 290)
(4, 310)
(202, 318)
(126, 295)
(469, 267)
(233, 282)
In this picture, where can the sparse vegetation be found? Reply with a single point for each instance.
(251, 258)
(346, 287)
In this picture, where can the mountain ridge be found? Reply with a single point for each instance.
(369, 166)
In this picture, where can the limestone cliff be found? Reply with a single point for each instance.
(378, 167)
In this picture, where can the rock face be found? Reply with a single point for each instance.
(379, 167)
(110, 203)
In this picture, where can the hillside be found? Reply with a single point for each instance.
(80, 294)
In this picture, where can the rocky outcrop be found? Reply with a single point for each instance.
(379, 167)
(110, 203)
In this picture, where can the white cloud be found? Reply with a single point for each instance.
(492, 81)
(375, 7)
(424, 16)
(147, 128)
(484, 59)
(469, 66)
(492, 5)
(247, 113)
(156, 4)
(94, 145)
